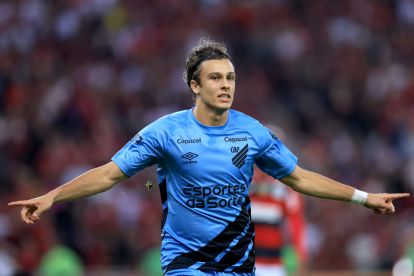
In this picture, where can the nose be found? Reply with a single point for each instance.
(225, 85)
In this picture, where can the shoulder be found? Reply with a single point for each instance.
(250, 124)
(240, 117)
(170, 121)
(165, 126)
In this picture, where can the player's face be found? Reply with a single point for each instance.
(217, 83)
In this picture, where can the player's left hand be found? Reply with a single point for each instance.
(382, 203)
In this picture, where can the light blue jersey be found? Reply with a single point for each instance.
(204, 173)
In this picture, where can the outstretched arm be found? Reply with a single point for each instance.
(314, 184)
(92, 182)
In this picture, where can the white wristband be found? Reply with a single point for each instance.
(359, 197)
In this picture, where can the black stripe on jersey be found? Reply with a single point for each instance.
(164, 217)
(163, 191)
(240, 153)
(216, 246)
(163, 220)
(241, 162)
(248, 264)
(268, 252)
(235, 253)
(240, 157)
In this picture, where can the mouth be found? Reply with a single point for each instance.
(224, 97)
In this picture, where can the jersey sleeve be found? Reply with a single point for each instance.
(274, 158)
(143, 150)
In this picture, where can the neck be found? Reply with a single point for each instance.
(209, 117)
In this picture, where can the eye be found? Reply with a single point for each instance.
(231, 77)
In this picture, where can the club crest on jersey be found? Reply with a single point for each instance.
(240, 157)
(137, 138)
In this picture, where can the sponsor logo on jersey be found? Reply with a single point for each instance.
(214, 196)
(189, 141)
(235, 139)
(240, 157)
(189, 156)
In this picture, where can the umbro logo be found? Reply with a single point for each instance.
(189, 156)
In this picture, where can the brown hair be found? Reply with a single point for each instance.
(206, 50)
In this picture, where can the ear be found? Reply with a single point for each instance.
(194, 87)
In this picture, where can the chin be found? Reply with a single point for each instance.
(224, 107)
(218, 107)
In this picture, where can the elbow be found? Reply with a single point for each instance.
(107, 182)
(297, 180)
(297, 186)
(111, 175)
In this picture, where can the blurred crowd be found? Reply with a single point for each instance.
(79, 78)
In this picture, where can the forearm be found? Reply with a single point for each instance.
(314, 184)
(91, 182)
(317, 185)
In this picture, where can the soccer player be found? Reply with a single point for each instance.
(205, 157)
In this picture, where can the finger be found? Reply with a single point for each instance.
(392, 208)
(40, 209)
(34, 218)
(396, 196)
(24, 215)
(20, 203)
(379, 211)
(388, 208)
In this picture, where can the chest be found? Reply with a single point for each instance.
(217, 155)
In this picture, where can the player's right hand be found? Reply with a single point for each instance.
(33, 208)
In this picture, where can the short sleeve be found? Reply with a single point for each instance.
(275, 158)
(143, 150)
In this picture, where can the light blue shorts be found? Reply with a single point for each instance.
(195, 272)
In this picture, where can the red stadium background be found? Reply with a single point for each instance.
(79, 78)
